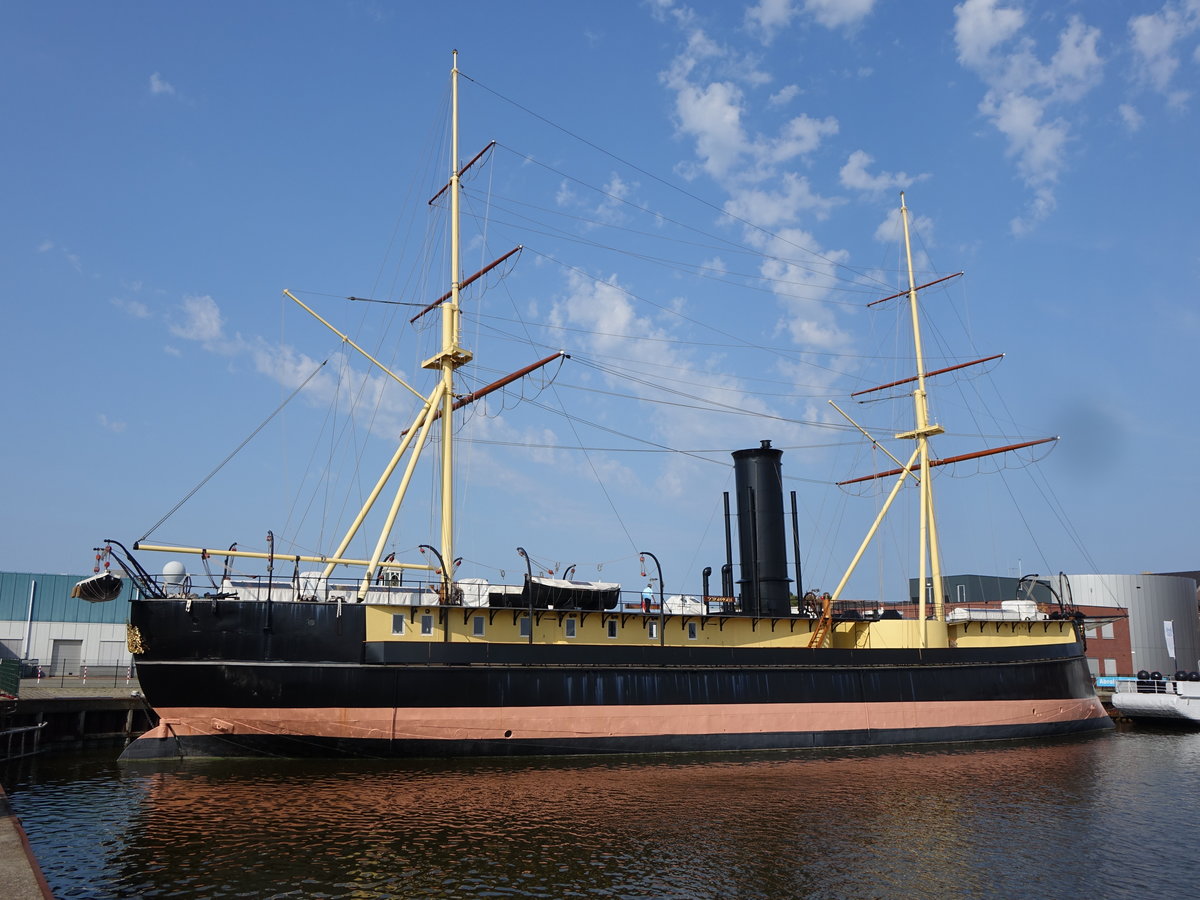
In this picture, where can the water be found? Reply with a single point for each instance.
(1108, 816)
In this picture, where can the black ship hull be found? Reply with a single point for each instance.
(297, 679)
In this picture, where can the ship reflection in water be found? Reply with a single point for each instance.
(1035, 820)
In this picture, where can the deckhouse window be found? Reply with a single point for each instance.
(652, 630)
(612, 628)
(691, 631)
(426, 624)
(569, 628)
(525, 628)
(477, 626)
(398, 623)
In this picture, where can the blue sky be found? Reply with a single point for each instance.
(706, 194)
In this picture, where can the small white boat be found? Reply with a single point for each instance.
(1175, 698)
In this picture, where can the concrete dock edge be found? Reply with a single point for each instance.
(21, 877)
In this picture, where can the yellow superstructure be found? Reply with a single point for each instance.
(442, 624)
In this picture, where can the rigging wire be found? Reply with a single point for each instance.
(698, 269)
(188, 496)
(670, 185)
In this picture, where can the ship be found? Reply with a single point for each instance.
(403, 658)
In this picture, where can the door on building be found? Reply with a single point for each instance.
(66, 657)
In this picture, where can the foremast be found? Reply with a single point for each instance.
(440, 403)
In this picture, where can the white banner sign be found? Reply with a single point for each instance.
(1169, 635)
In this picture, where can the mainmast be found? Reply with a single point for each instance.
(451, 355)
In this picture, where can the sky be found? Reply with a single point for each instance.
(706, 196)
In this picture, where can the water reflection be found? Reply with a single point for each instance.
(1030, 820)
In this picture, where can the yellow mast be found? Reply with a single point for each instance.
(439, 404)
(930, 553)
(452, 355)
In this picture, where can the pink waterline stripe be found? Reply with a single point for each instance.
(566, 722)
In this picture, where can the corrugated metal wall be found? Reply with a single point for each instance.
(52, 600)
(1151, 601)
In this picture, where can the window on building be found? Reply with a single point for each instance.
(1106, 631)
(398, 623)
(961, 593)
(477, 626)
(426, 624)
(1094, 666)
(652, 630)
(525, 627)
(1110, 667)
(612, 628)
(691, 631)
(569, 626)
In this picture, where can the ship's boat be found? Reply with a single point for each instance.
(319, 664)
(1162, 700)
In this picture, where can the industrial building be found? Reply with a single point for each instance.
(1163, 630)
(42, 625)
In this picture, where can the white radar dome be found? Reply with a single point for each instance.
(173, 574)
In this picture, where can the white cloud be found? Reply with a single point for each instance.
(799, 137)
(854, 175)
(784, 96)
(110, 424)
(769, 17)
(891, 228)
(134, 308)
(202, 321)
(617, 193)
(712, 115)
(565, 195)
(1024, 95)
(836, 13)
(45, 246)
(1154, 37)
(1131, 117)
(778, 205)
(159, 86)
(1076, 66)
(1036, 143)
(802, 284)
(714, 109)
(1042, 205)
(979, 27)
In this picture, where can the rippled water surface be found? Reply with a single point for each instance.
(1107, 816)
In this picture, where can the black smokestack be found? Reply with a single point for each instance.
(762, 541)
